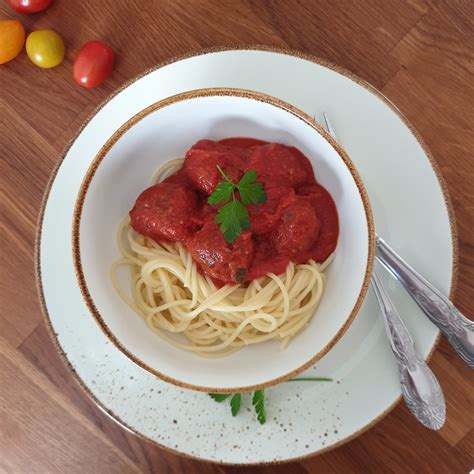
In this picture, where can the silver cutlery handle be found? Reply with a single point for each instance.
(420, 388)
(457, 328)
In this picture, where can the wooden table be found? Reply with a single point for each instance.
(420, 53)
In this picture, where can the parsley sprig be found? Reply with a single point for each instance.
(233, 217)
(258, 399)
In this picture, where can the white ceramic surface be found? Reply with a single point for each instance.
(132, 160)
(303, 418)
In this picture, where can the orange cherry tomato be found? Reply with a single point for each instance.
(12, 39)
(94, 63)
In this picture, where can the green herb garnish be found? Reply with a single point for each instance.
(258, 399)
(235, 403)
(219, 397)
(234, 216)
(310, 379)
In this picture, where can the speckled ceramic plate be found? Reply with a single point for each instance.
(304, 418)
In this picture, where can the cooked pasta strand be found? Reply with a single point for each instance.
(175, 300)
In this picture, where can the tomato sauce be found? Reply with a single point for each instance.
(298, 222)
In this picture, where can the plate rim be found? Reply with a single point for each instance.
(201, 52)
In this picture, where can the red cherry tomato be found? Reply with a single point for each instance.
(30, 6)
(94, 63)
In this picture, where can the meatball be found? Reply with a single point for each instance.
(297, 230)
(218, 259)
(324, 207)
(210, 145)
(179, 177)
(201, 164)
(264, 217)
(277, 164)
(163, 212)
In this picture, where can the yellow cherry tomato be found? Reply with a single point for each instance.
(12, 38)
(45, 48)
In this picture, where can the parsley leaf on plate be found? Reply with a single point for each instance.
(219, 397)
(258, 401)
(235, 403)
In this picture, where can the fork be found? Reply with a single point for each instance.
(420, 388)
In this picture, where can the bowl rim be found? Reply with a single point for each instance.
(216, 92)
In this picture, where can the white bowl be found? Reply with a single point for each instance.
(123, 168)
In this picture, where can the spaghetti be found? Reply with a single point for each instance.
(176, 300)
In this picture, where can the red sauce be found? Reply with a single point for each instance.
(298, 222)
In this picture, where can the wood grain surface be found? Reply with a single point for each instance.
(420, 53)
